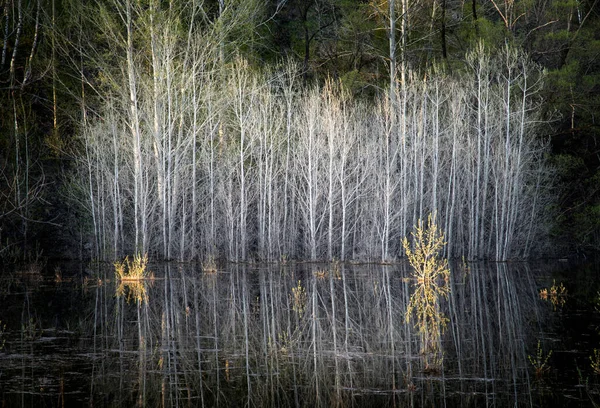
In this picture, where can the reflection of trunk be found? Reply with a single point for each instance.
(141, 356)
(314, 341)
(346, 322)
(198, 340)
(333, 269)
(215, 331)
(494, 321)
(406, 333)
(482, 312)
(245, 301)
(390, 323)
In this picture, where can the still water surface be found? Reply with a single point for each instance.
(295, 335)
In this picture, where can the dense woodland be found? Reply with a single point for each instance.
(253, 130)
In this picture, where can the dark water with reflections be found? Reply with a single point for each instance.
(296, 335)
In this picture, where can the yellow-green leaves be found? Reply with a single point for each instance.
(432, 277)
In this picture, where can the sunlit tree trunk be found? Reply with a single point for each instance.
(138, 185)
(310, 166)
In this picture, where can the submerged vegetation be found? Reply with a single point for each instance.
(595, 361)
(556, 294)
(432, 276)
(131, 278)
(539, 362)
(135, 269)
(298, 298)
(209, 265)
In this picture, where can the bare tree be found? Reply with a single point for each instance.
(188, 157)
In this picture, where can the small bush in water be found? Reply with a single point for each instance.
(432, 277)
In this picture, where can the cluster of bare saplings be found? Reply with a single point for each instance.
(190, 157)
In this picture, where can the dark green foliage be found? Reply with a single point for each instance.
(577, 227)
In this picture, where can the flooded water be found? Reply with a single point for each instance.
(297, 335)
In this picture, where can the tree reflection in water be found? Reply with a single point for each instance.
(273, 335)
(240, 338)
